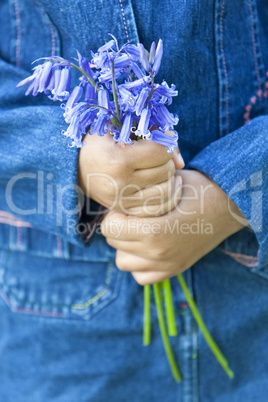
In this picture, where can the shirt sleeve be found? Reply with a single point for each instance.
(238, 164)
(38, 170)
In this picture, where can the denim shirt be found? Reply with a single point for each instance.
(215, 52)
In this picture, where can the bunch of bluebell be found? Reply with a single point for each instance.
(117, 93)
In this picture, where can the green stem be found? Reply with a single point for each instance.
(211, 343)
(171, 322)
(82, 71)
(147, 315)
(152, 90)
(168, 350)
(114, 93)
(113, 119)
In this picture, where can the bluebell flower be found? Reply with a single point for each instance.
(84, 64)
(142, 99)
(26, 81)
(107, 46)
(124, 135)
(136, 70)
(100, 124)
(74, 131)
(75, 111)
(164, 139)
(152, 63)
(132, 51)
(105, 75)
(104, 55)
(166, 92)
(138, 83)
(74, 98)
(121, 61)
(90, 93)
(61, 91)
(104, 100)
(152, 53)
(163, 118)
(51, 84)
(158, 57)
(126, 100)
(144, 59)
(87, 118)
(143, 126)
(35, 79)
(45, 76)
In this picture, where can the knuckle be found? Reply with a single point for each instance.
(120, 263)
(141, 279)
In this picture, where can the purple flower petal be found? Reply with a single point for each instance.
(136, 70)
(104, 100)
(125, 132)
(143, 96)
(126, 99)
(161, 138)
(158, 57)
(133, 51)
(122, 61)
(143, 126)
(75, 96)
(45, 76)
(134, 84)
(100, 125)
(144, 59)
(108, 46)
(152, 53)
(26, 81)
(90, 93)
(87, 118)
(62, 91)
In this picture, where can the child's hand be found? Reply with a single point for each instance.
(134, 179)
(154, 249)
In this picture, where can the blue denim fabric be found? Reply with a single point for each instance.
(71, 323)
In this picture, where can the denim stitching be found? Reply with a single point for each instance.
(253, 39)
(59, 247)
(18, 29)
(11, 220)
(243, 259)
(253, 100)
(98, 295)
(51, 28)
(8, 291)
(28, 311)
(19, 238)
(124, 19)
(224, 69)
(53, 40)
(260, 94)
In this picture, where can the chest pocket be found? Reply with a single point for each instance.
(57, 287)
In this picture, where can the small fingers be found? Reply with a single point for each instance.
(147, 154)
(155, 200)
(155, 175)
